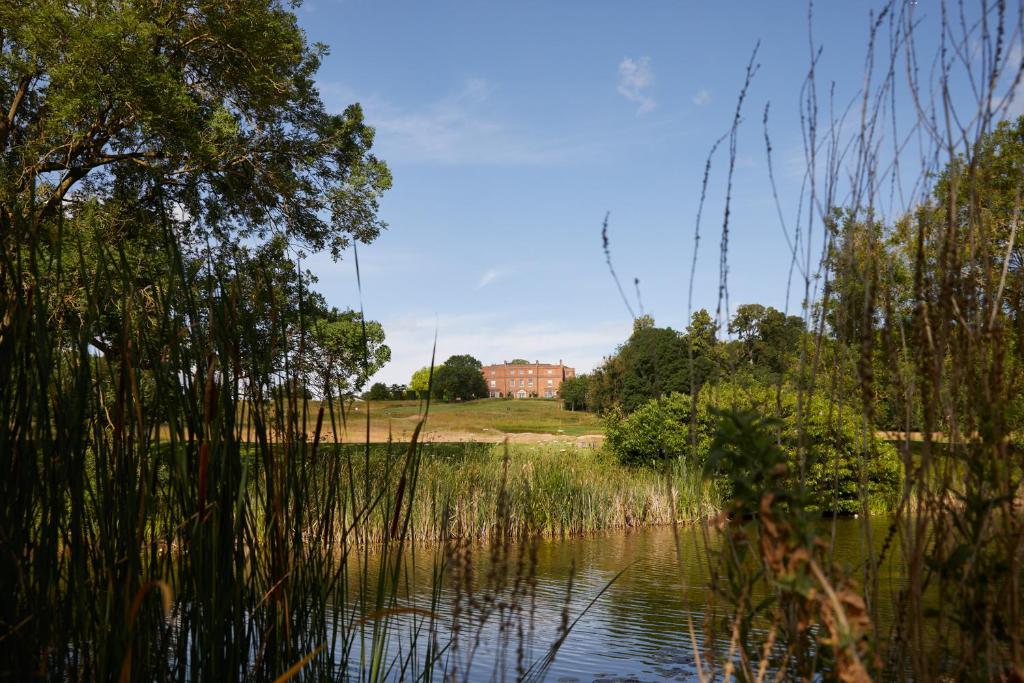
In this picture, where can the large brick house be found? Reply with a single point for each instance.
(526, 380)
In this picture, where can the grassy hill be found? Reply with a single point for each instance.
(485, 420)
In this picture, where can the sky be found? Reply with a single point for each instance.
(513, 128)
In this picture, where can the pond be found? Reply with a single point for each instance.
(637, 629)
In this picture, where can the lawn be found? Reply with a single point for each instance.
(487, 419)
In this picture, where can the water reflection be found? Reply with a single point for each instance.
(639, 629)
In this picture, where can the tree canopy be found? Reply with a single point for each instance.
(654, 361)
(205, 115)
(420, 382)
(342, 352)
(573, 392)
(460, 378)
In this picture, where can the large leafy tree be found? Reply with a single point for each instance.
(573, 392)
(460, 378)
(420, 382)
(203, 111)
(342, 352)
(653, 362)
(130, 131)
(768, 339)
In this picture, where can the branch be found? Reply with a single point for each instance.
(8, 122)
(102, 160)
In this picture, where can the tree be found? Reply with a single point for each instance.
(840, 455)
(573, 392)
(653, 362)
(206, 113)
(420, 382)
(769, 340)
(519, 361)
(643, 322)
(341, 353)
(378, 392)
(658, 429)
(460, 378)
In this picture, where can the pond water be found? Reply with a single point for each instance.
(638, 629)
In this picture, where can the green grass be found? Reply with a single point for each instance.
(485, 418)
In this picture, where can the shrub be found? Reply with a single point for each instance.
(658, 429)
(836, 447)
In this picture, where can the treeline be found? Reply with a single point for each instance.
(658, 361)
(459, 378)
(861, 364)
(860, 342)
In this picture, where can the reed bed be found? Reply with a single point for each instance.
(163, 515)
(550, 489)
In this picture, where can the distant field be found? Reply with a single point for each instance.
(483, 420)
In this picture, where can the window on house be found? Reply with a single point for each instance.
(521, 383)
(531, 382)
(530, 371)
(493, 383)
(550, 382)
(549, 372)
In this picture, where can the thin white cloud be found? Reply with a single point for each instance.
(460, 127)
(490, 276)
(702, 97)
(491, 338)
(635, 79)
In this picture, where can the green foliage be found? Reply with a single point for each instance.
(780, 555)
(420, 382)
(768, 341)
(840, 457)
(657, 430)
(341, 352)
(829, 443)
(205, 115)
(654, 361)
(573, 392)
(460, 379)
(745, 450)
(378, 392)
(844, 459)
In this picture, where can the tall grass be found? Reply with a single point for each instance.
(173, 508)
(162, 514)
(906, 254)
(478, 491)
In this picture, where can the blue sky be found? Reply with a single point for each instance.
(512, 127)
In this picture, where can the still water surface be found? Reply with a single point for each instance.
(638, 629)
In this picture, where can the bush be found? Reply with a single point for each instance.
(658, 429)
(836, 443)
(837, 446)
